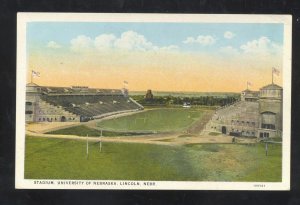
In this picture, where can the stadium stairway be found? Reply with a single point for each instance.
(49, 112)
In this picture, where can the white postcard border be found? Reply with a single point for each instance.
(24, 18)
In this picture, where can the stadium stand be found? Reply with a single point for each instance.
(239, 119)
(258, 114)
(76, 103)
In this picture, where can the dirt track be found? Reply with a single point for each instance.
(162, 139)
(199, 125)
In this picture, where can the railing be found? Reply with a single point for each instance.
(138, 104)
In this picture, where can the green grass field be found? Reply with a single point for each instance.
(168, 119)
(66, 159)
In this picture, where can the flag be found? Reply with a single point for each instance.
(275, 71)
(35, 73)
(249, 84)
(125, 82)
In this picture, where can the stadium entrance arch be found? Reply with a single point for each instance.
(63, 119)
(223, 130)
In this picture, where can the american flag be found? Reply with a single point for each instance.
(125, 82)
(275, 71)
(35, 73)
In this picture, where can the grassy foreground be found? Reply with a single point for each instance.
(66, 159)
(164, 119)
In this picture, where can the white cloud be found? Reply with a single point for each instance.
(53, 44)
(203, 40)
(189, 40)
(104, 41)
(129, 41)
(169, 48)
(229, 50)
(229, 35)
(263, 45)
(81, 43)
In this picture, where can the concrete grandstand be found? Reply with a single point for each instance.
(258, 114)
(77, 103)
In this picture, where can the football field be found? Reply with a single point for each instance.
(149, 121)
(163, 119)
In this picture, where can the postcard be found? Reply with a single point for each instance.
(153, 101)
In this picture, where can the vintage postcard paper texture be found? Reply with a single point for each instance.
(153, 101)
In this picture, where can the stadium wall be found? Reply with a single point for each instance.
(258, 114)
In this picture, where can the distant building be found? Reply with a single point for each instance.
(149, 95)
(258, 114)
(249, 95)
(186, 105)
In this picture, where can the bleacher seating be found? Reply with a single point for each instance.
(240, 117)
(241, 109)
(91, 105)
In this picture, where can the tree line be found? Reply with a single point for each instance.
(172, 100)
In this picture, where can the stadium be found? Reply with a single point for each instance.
(106, 134)
(257, 114)
(78, 103)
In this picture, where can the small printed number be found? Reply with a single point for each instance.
(259, 185)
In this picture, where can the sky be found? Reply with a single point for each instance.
(194, 57)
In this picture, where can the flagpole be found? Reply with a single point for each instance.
(272, 75)
(31, 77)
(87, 147)
(100, 142)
